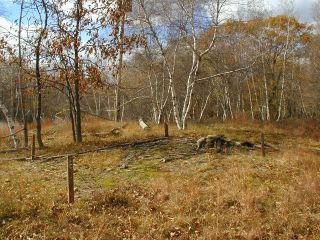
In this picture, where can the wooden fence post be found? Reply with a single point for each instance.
(70, 179)
(263, 150)
(166, 130)
(33, 147)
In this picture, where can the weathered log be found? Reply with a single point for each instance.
(7, 151)
(201, 143)
(106, 148)
(247, 144)
(114, 132)
(213, 141)
(220, 143)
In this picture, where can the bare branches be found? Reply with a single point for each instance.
(227, 72)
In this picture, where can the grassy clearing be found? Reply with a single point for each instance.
(206, 196)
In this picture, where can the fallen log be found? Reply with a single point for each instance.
(16, 159)
(114, 132)
(12, 150)
(105, 148)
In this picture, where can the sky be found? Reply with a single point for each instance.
(303, 10)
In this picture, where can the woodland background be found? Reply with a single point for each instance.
(176, 61)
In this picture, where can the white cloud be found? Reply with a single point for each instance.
(302, 8)
(9, 30)
(5, 25)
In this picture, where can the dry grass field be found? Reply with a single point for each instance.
(207, 195)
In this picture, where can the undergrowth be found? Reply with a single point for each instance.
(206, 196)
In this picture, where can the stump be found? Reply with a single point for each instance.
(221, 143)
(143, 125)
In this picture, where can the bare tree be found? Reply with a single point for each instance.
(180, 19)
(43, 11)
(21, 94)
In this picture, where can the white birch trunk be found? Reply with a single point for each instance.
(284, 71)
(204, 106)
(250, 99)
(180, 113)
(266, 91)
(10, 125)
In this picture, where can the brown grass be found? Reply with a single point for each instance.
(208, 196)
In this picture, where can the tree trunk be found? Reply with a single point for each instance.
(266, 90)
(78, 110)
(71, 110)
(250, 98)
(38, 78)
(204, 106)
(25, 125)
(77, 75)
(10, 125)
(117, 112)
(284, 66)
(38, 114)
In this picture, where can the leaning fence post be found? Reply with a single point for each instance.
(33, 147)
(166, 130)
(70, 179)
(263, 150)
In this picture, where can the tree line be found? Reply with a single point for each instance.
(177, 61)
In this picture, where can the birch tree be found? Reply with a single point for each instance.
(182, 18)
